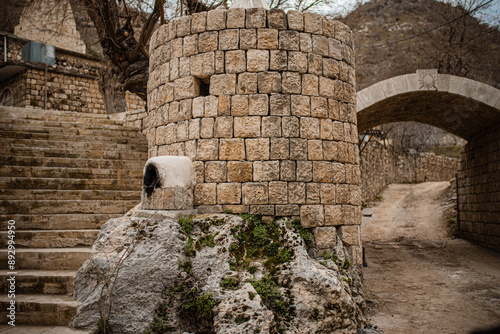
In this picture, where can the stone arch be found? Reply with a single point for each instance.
(458, 105)
(464, 107)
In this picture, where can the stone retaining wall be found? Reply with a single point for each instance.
(263, 103)
(479, 190)
(381, 166)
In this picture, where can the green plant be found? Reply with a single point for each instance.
(347, 263)
(229, 282)
(189, 248)
(228, 211)
(103, 326)
(201, 304)
(327, 255)
(187, 266)
(207, 240)
(186, 224)
(259, 235)
(242, 319)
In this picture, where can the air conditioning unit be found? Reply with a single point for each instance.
(35, 52)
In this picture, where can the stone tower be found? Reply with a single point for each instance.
(263, 102)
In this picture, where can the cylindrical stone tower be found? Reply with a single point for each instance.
(263, 103)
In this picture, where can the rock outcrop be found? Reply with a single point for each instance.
(219, 273)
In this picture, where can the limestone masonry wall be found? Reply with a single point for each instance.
(263, 103)
(479, 190)
(381, 166)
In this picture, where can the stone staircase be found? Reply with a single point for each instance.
(62, 175)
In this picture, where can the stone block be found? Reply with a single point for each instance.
(280, 148)
(211, 106)
(182, 131)
(297, 61)
(265, 210)
(325, 237)
(257, 60)
(190, 45)
(229, 39)
(207, 127)
(343, 194)
(315, 149)
(208, 41)
(258, 105)
(219, 62)
(309, 128)
(304, 171)
(235, 18)
(305, 42)
(255, 193)
(199, 169)
(185, 88)
(224, 127)
(310, 84)
(248, 39)
(290, 126)
(279, 104)
(185, 109)
(236, 61)
(338, 172)
(278, 61)
(232, 149)
(216, 19)
(312, 193)
(331, 68)
(289, 40)
(276, 18)
(229, 193)
(287, 210)
(328, 194)
(174, 69)
(269, 82)
(326, 130)
(234, 208)
(266, 171)
(301, 105)
(333, 215)
(223, 84)
(207, 149)
(203, 65)
(278, 192)
(312, 215)
(334, 49)
(328, 27)
(194, 128)
(184, 67)
(322, 171)
(256, 18)
(247, 83)
(205, 194)
(173, 112)
(239, 105)
(177, 48)
(297, 193)
(257, 149)
(315, 64)
(288, 170)
(295, 20)
(320, 45)
(198, 22)
(215, 171)
(313, 23)
(271, 126)
(350, 235)
(267, 39)
(298, 149)
(239, 171)
(319, 106)
(245, 127)
(291, 83)
(224, 105)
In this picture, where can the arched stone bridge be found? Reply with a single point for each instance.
(464, 107)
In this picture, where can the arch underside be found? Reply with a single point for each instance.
(456, 114)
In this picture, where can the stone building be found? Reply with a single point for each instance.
(262, 101)
(72, 83)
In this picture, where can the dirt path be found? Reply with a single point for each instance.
(419, 280)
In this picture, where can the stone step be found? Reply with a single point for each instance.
(9, 160)
(47, 258)
(70, 184)
(36, 113)
(51, 238)
(125, 137)
(71, 221)
(47, 310)
(74, 152)
(69, 172)
(70, 144)
(63, 206)
(55, 126)
(20, 329)
(55, 194)
(39, 281)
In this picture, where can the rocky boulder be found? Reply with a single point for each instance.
(219, 273)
